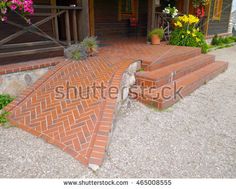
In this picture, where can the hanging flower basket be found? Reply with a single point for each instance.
(22, 7)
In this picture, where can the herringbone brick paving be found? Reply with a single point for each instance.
(81, 126)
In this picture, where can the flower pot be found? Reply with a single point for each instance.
(156, 40)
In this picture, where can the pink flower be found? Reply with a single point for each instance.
(4, 19)
(23, 7)
(13, 7)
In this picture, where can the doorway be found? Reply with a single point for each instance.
(111, 19)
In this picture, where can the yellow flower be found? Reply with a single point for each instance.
(178, 24)
(193, 34)
(182, 36)
(193, 19)
(183, 19)
(198, 40)
(188, 32)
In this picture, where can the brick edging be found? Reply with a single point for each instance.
(101, 136)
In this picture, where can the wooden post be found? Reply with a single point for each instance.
(75, 33)
(67, 21)
(84, 29)
(56, 28)
(153, 14)
(91, 18)
(150, 4)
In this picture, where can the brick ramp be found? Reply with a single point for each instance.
(78, 126)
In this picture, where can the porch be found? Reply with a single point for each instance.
(58, 24)
(82, 126)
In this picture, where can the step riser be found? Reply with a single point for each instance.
(166, 61)
(164, 80)
(186, 91)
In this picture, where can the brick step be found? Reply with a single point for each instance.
(176, 56)
(172, 72)
(166, 96)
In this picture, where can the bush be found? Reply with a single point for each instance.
(218, 41)
(215, 40)
(5, 99)
(186, 33)
(76, 52)
(90, 44)
(88, 47)
(156, 31)
(3, 118)
(233, 38)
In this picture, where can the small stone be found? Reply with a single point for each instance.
(28, 79)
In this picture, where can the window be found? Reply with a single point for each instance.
(127, 9)
(126, 6)
(217, 9)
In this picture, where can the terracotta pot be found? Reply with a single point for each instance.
(156, 40)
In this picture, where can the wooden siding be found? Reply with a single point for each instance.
(220, 26)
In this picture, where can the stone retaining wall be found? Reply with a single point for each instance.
(15, 83)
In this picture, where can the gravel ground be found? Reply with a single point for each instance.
(196, 138)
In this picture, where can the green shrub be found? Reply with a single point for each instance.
(3, 118)
(186, 33)
(233, 38)
(215, 40)
(228, 40)
(87, 47)
(219, 41)
(157, 31)
(5, 99)
(90, 44)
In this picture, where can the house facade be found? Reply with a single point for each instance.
(59, 23)
(111, 18)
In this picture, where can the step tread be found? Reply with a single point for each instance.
(177, 55)
(177, 67)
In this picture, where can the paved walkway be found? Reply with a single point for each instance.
(195, 138)
(78, 125)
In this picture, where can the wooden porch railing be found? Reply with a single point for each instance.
(56, 11)
(163, 20)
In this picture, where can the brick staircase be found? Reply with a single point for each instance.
(170, 78)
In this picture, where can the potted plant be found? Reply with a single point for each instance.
(156, 36)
